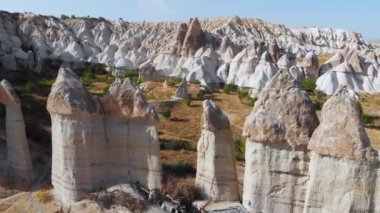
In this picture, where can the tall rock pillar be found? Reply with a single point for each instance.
(19, 159)
(278, 131)
(344, 169)
(78, 138)
(216, 170)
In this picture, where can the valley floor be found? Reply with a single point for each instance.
(178, 136)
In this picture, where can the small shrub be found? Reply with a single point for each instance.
(240, 145)
(134, 77)
(252, 101)
(106, 88)
(242, 94)
(30, 86)
(131, 75)
(166, 113)
(319, 99)
(200, 95)
(177, 145)
(309, 85)
(88, 76)
(178, 169)
(367, 119)
(177, 80)
(187, 102)
(138, 81)
(229, 88)
(170, 82)
(46, 82)
(195, 82)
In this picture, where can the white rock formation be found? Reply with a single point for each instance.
(311, 65)
(216, 176)
(133, 149)
(203, 50)
(276, 170)
(181, 91)
(92, 150)
(355, 71)
(344, 169)
(18, 154)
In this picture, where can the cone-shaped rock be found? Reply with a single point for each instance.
(216, 172)
(181, 91)
(278, 131)
(343, 167)
(274, 50)
(194, 38)
(311, 65)
(180, 37)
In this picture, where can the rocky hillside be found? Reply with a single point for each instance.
(212, 51)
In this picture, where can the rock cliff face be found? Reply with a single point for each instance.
(344, 168)
(216, 171)
(99, 144)
(18, 154)
(276, 172)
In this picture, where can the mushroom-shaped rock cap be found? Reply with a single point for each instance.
(126, 100)
(8, 96)
(341, 132)
(213, 118)
(283, 114)
(68, 96)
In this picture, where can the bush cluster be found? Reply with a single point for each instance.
(177, 145)
(367, 119)
(178, 169)
(201, 95)
(166, 112)
(309, 85)
(187, 102)
(252, 101)
(229, 88)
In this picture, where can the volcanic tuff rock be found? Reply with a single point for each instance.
(349, 68)
(194, 38)
(216, 171)
(204, 50)
(18, 154)
(100, 144)
(276, 172)
(181, 91)
(342, 157)
(311, 65)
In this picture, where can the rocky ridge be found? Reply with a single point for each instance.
(212, 51)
